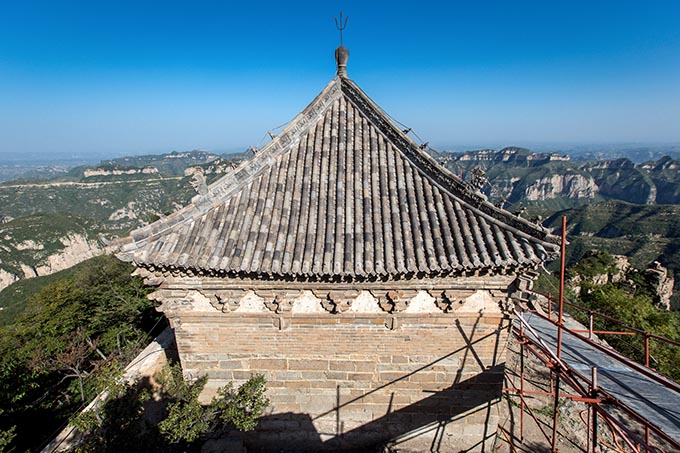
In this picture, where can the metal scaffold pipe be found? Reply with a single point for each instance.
(556, 367)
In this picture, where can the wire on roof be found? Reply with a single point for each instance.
(445, 160)
(270, 133)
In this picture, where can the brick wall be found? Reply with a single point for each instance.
(352, 381)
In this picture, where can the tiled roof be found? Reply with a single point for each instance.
(342, 192)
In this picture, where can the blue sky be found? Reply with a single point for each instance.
(95, 78)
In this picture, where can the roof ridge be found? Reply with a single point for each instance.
(279, 144)
(428, 220)
(248, 169)
(439, 173)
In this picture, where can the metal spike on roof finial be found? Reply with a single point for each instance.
(341, 53)
(340, 25)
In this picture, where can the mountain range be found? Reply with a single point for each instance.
(550, 181)
(625, 207)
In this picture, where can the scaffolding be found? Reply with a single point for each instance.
(584, 387)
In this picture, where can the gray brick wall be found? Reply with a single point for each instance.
(348, 382)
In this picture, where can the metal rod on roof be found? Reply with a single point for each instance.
(521, 382)
(556, 409)
(339, 26)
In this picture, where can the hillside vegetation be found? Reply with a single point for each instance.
(36, 244)
(642, 233)
(115, 206)
(49, 225)
(70, 339)
(84, 320)
(14, 298)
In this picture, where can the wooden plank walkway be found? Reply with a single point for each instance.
(650, 399)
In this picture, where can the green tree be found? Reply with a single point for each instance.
(125, 420)
(6, 437)
(68, 331)
(188, 420)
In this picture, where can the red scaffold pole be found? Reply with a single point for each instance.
(556, 369)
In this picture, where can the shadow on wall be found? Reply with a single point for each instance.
(438, 419)
(431, 415)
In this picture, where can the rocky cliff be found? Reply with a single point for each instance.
(73, 249)
(43, 244)
(6, 279)
(600, 268)
(89, 172)
(573, 186)
(662, 283)
(519, 175)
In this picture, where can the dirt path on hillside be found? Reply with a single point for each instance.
(85, 184)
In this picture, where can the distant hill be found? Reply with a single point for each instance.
(170, 164)
(9, 172)
(173, 163)
(634, 152)
(549, 181)
(48, 225)
(665, 175)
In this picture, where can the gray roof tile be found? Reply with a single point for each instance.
(341, 192)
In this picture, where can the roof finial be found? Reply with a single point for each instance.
(341, 53)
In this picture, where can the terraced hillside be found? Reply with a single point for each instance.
(172, 164)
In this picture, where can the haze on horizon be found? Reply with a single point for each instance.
(93, 78)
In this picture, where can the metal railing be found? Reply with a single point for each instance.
(586, 387)
(627, 330)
